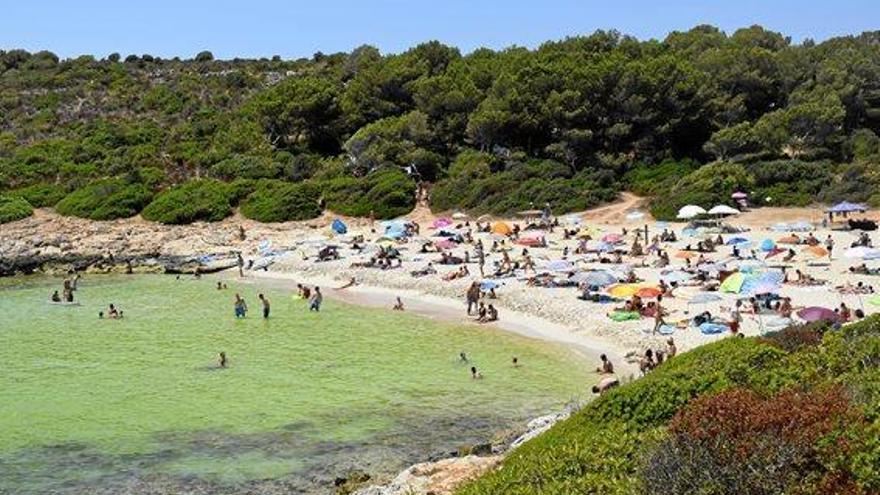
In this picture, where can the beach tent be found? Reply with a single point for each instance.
(736, 240)
(722, 210)
(501, 228)
(733, 283)
(847, 207)
(339, 227)
(767, 245)
(690, 211)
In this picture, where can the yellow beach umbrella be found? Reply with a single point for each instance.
(623, 290)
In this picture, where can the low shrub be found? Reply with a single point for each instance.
(199, 200)
(739, 442)
(795, 338)
(246, 167)
(105, 199)
(707, 186)
(385, 193)
(40, 195)
(277, 201)
(14, 208)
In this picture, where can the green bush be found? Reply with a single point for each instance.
(105, 199)
(199, 200)
(277, 201)
(386, 193)
(659, 179)
(246, 167)
(707, 186)
(14, 208)
(40, 195)
(522, 185)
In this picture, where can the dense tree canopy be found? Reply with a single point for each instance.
(572, 121)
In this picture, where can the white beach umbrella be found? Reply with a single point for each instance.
(723, 210)
(690, 211)
(459, 216)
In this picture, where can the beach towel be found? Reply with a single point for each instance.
(666, 329)
(624, 315)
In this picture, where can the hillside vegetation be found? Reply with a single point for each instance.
(572, 122)
(797, 412)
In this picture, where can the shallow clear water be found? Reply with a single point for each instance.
(97, 406)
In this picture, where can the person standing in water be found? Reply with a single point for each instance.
(223, 362)
(240, 261)
(316, 300)
(266, 308)
(240, 307)
(476, 375)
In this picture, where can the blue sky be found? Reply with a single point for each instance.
(294, 28)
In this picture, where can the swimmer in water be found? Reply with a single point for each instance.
(100, 315)
(56, 297)
(476, 375)
(113, 312)
(463, 356)
(223, 361)
(515, 362)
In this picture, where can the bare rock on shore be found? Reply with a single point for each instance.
(436, 478)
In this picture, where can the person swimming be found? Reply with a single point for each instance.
(100, 315)
(113, 312)
(515, 362)
(56, 297)
(463, 357)
(223, 362)
(476, 375)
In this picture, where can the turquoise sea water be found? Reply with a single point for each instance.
(138, 404)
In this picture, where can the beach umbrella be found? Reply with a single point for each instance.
(736, 240)
(761, 287)
(767, 245)
(573, 220)
(459, 216)
(611, 238)
(441, 222)
(773, 252)
(623, 290)
(733, 283)
(863, 253)
(597, 278)
(560, 266)
(487, 285)
(789, 239)
(816, 313)
(599, 247)
(705, 298)
(635, 215)
(749, 265)
(739, 195)
(685, 254)
(817, 251)
(648, 292)
(501, 228)
(339, 226)
(723, 210)
(690, 211)
(677, 276)
(446, 244)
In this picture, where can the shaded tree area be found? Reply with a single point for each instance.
(571, 122)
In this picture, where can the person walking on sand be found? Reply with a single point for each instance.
(658, 315)
(266, 307)
(316, 300)
(481, 257)
(473, 296)
(829, 245)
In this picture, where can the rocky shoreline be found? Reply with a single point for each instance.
(442, 476)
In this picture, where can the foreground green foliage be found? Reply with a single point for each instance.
(14, 208)
(571, 122)
(645, 437)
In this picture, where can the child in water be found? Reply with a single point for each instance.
(476, 375)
